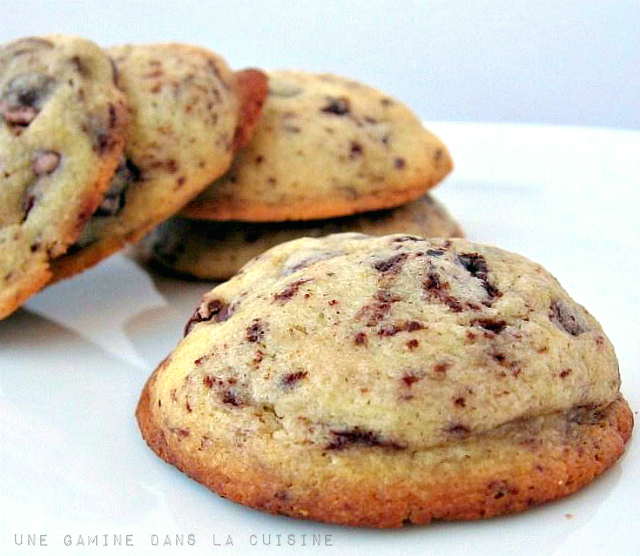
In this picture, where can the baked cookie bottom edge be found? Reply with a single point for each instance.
(523, 476)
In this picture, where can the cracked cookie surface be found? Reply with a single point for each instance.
(377, 381)
(62, 129)
(326, 146)
(217, 250)
(190, 112)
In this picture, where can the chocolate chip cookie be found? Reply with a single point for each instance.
(382, 381)
(62, 130)
(325, 146)
(190, 113)
(217, 250)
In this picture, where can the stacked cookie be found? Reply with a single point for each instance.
(99, 146)
(329, 155)
(353, 379)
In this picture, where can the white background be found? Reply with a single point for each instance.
(571, 62)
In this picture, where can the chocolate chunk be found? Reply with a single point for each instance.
(413, 344)
(255, 331)
(338, 106)
(77, 63)
(403, 239)
(228, 389)
(356, 150)
(358, 437)
(376, 311)
(394, 328)
(289, 380)
(567, 318)
(114, 199)
(27, 204)
(434, 288)
(499, 489)
(229, 397)
(286, 294)
(458, 429)
(215, 310)
(361, 339)
(24, 97)
(476, 265)
(410, 379)
(311, 260)
(585, 415)
(495, 326)
(45, 163)
(392, 264)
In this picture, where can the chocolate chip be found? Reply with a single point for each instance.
(77, 63)
(215, 310)
(476, 265)
(403, 239)
(311, 260)
(392, 264)
(229, 397)
(410, 379)
(440, 369)
(114, 199)
(399, 163)
(255, 331)
(413, 344)
(27, 204)
(434, 288)
(289, 380)
(361, 339)
(500, 489)
(355, 151)
(229, 390)
(585, 415)
(495, 326)
(376, 311)
(24, 97)
(458, 429)
(567, 318)
(45, 162)
(394, 328)
(358, 437)
(338, 106)
(115, 74)
(286, 294)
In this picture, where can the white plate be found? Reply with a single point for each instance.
(74, 359)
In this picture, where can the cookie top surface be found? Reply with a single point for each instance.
(325, 146)
(353, 342)
(183, 133)
(217, 250)
(62, 130)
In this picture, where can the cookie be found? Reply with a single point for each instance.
(190, 113)
(382, 381)
(217, 250)
(325, 146)
(62, 129)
